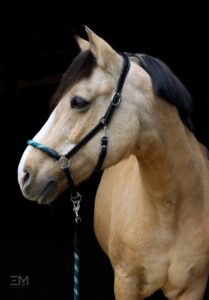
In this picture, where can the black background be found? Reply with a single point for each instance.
(36, 47)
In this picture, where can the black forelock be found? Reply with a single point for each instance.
(81, 67)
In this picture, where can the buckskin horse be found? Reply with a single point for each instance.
(151, 213)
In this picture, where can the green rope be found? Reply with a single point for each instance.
(76, 275)
(76, 199)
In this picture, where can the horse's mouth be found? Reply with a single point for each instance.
(48, 194)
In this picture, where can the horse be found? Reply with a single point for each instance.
(152, 203)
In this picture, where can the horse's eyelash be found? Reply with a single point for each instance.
(78, 102)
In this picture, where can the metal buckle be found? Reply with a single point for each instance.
(116, 99)
(63, 162)
(103, 121)
(104, 141)
(104, 131)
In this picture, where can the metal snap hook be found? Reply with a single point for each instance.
(76, 200)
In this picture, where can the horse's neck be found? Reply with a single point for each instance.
(164, 184)
(171, 165)
(172, 172)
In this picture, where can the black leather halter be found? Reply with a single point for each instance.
(64, 160)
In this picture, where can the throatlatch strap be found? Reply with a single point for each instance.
(122, 78)
(103, 152)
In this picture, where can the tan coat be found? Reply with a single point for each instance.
(152, 205)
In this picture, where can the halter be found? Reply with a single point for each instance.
(64, 160)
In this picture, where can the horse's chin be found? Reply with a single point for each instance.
(49, 195)
(44, 200)
(46, 195)
(47, 190)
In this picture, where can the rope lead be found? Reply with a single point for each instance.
(76, 199)
(76, 275)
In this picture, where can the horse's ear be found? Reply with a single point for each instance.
(105, 55)
(82, 44)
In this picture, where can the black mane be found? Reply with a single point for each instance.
(168, 87)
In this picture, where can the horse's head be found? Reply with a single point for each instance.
(82, 98)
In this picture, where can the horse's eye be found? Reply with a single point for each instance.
(79, 103)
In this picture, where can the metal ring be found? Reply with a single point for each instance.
(63, 162)
(116, 99)
(76, 198)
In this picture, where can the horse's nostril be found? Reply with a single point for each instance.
(26, 177)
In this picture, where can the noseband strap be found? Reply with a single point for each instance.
(64, 160)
